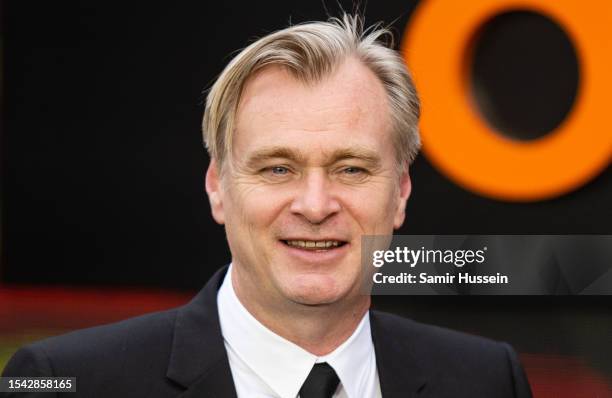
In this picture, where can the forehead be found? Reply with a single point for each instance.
(349, 106)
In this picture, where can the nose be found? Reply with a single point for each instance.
(314, 200)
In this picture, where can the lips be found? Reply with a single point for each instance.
(326, 252)
(323, 244)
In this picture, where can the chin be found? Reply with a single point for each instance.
(315, 290)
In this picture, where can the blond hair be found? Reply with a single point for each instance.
(310, 52)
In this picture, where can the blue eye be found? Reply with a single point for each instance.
(279, 170)
(353, 170)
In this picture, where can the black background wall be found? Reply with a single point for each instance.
(102, 160)
(103, 164)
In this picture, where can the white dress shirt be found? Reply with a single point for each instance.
(266, 365)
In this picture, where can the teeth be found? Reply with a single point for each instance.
(310, 244)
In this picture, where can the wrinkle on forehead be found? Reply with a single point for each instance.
(351, 98)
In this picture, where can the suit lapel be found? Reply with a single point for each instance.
(199, 363)
(198, 360)
(399, 371)
(215, 383)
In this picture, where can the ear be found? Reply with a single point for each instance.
(404, 194)
(215, 192)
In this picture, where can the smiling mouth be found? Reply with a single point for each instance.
(314, 244)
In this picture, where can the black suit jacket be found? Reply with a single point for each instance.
(180, 353)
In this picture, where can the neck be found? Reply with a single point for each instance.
(318, 329)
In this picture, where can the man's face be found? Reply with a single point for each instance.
(313, 168)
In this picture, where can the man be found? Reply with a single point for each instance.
(310, 131)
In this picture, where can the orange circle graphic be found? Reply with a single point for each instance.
(457, 140)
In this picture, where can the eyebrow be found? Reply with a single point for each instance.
(275, 152)
(353, 152)
(356, 152)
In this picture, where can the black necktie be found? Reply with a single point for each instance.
(320, 383)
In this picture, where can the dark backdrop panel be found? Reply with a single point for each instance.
(102, 160)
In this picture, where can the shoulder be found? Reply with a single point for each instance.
(438, 340)
(439, 349)
(112, 340)
(107, 360)
(154, 352)
(455, 363)
(135, 346)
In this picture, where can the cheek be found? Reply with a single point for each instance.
(253, 208)
(374, 205)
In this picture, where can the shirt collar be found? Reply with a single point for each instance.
(283, 365)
